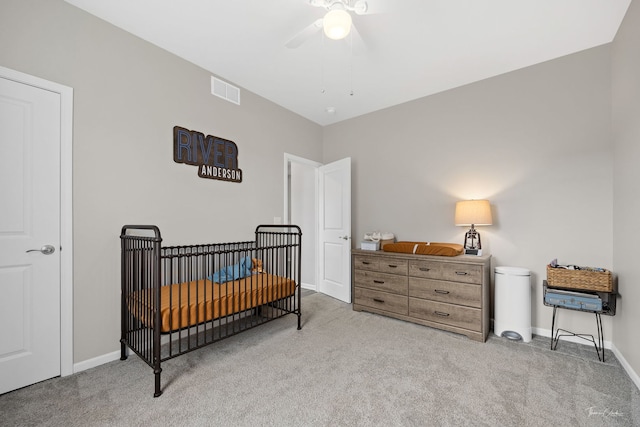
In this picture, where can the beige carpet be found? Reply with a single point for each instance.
(344, 368)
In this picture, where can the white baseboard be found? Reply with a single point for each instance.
(308, 286)
(632, 374)
(96, 361)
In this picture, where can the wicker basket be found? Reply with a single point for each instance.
(585, 280)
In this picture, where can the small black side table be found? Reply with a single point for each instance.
(608, 309)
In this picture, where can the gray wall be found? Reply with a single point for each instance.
(626, 201)
(128, 95)
(535, 142)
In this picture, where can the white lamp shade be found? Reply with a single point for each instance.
(337, 24)
(476, 212)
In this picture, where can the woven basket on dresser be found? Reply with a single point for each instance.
(585, 280)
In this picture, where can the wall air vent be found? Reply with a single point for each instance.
(225, 90)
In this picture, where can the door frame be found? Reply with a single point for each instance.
(66, 208)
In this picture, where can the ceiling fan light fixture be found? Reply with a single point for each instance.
(337, 24)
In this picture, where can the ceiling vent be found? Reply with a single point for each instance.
(225, 90)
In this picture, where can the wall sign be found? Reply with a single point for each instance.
(216, 158)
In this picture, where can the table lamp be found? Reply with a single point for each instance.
(472, 213)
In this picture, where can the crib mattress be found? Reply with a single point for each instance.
(190, 303)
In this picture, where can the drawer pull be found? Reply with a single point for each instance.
(393, 266)
(378, 300)
(438, 291)
(378, 281)
(461, 273)
(424, 269)
(366, 262)
(440, 313)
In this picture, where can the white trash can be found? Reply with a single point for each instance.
(512, 303)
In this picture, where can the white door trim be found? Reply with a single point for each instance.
(66, 209)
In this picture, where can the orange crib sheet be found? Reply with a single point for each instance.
(190, 303)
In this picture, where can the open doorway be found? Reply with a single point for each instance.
(318, 199)
(301, 208)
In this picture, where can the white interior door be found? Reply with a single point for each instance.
(30, 284)
(335, 229)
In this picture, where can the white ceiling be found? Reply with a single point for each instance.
(408, 48)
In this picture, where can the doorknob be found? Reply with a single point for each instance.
(344, 237)
(46, 249)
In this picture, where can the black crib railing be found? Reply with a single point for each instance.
(180, 298)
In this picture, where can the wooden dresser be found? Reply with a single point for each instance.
(450, 293)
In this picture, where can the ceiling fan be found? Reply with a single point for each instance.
(337, 22)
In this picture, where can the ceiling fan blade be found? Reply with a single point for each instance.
(306, 33)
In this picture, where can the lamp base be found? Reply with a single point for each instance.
(472, 242)
(477, 252)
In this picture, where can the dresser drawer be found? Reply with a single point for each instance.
(392, 303)
(366, 263)
(381, 281)
(386, 265)
(449, 292)
(464, 273)
(394, 266)
(454, 315)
